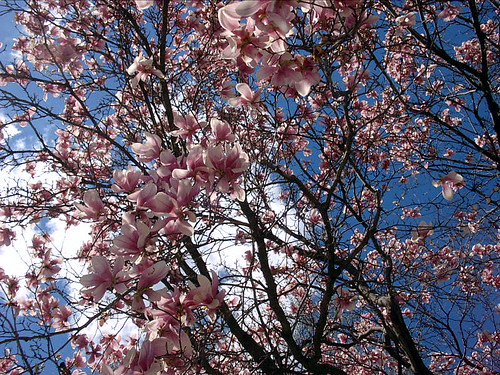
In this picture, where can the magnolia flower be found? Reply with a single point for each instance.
(6, 235)
(423, 231)
(207, 294)
(345, 300)
(143, 66)
(149, 150)
(126, 180)
(406, 20)
(449, 13)
(144, 4)
(102, 278)
(248, 97)
(450, 183)
(230, 15)
(221, 130)
(93, 207)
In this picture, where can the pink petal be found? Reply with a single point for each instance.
(143, 4)
(447, 192)
(228, 18)
(249, 7)
(245, 91)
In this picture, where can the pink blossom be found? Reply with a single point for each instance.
(423, 231)
(107, 370)
(149, 150)
(449, 13)
(345, 300)
(406, 20)
(145, 196)
(102, 278)
(144, 4)
(207, 294)
(132, 241)
(144, 67)
(60, 316)
(173, 341)
(227, 165)
(149, 277)
(93, 207)
(153, 275)
(175, 205)
(248, 97)
(126, 180)
(50, 267)
(230, 15)
(450, 183)
(6, 236)
(221, 130)
(195, 166)
(188, 126)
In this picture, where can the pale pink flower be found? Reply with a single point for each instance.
(188, 126)
(248, 97)
(93, 207)
(207, 294)
(102, 278)
(449, 13)
(175, 205)
(153, 275)
(423, 231)
(406, 20)
(60, 316)
(6, 236)
(144, 4)
(50, 267)
(149, 277)
(145, 196)
(144, 67)
(173, 341)
(227, 165)
(149, 150)
(132, 241)
(450, 183)
(221, 130)
(126, 180)
(195, 166)
(107, 370)
(230, 15)
(345, 299)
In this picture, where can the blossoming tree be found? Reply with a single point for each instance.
(270, 186)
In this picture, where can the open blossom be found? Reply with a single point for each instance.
(103, 277)
(126, 180)
(450, 183)
(149, 277)
(230, 15)
(175, 206)
(449, 13)
(93, 207)
(188, 126)
(227, 165)
(407, 20)
(50, 267)
(345, 300)
(6, 236)
(144, 67)
(420, 233)
(149, 150)
(221, 130)
(207, 294)
(133, 238)
(144, 4)
(248, 97)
